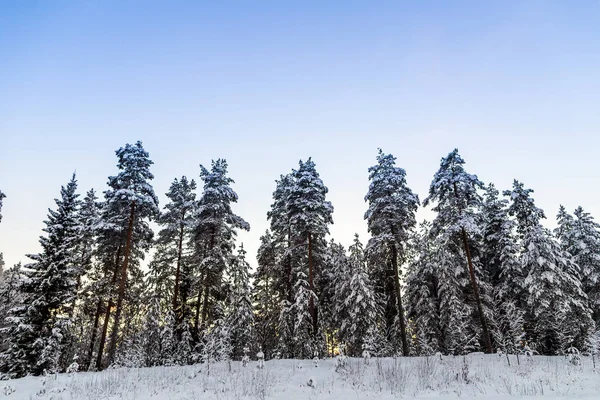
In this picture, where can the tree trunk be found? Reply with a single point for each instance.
(88, 361)
(311, 301)
(103, 336)
(288, 261)
(108, 308)
(197, 316)
(405, 349)
(122, 284)
(205, 302)
(486, 333)
(178, 314)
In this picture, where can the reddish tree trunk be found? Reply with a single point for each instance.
(107, 315)
(122, 284)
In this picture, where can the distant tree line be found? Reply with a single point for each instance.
(483, 275)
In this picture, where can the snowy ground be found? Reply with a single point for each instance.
(476, 376)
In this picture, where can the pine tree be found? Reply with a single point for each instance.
(455, 193)
(130, 204)
(177, 223)
(284, 256)
(390, 218)
(48, 288)
(213, 237)
(309, 215)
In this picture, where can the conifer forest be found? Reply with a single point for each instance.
(124, 281)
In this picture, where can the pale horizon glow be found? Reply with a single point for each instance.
(515, 86)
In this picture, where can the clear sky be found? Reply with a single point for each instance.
(515, 85)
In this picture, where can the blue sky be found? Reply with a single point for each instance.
(515, 85)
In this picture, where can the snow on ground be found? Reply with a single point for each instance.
(475, 376)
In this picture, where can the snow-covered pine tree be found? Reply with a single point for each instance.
(38, 325)
(357, 303)
(309, 215)
(213, 238)
(239, 315)
(176, 222)
(559, 315)
(455, 193)
(390, 218)
(130, 204)
(579, 235)
(266, 295)
(282, 276)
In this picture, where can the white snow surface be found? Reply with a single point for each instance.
(470, 377)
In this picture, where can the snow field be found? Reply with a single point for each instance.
(475, 376)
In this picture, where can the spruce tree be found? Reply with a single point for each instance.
(10, 297)
(356, 302)
(455, 193)
(500, 259)
(579, 235)
(558, 312)
(39, 325)
(422, 293)
(239, 312)
(336, 273)
(213, 238)
(390, 218)
(266, 295)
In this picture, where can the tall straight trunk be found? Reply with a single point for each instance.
(205, 302)
(288, 262)
(121, 293)
(197, 316)
(108, 308)
(178, 313)
(486, 333)
(90, 354)
(311, 273)
(178, 272)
